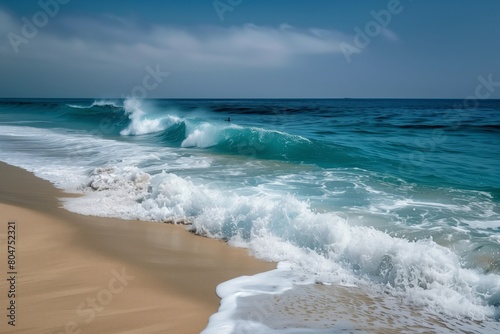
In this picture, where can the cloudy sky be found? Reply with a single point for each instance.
(248, 48)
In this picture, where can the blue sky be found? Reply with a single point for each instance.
(271, 49)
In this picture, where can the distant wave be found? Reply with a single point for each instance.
(78, 107)
(96, 103)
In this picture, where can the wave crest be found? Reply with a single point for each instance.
(140, 124)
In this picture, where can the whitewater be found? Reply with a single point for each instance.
(381, 214)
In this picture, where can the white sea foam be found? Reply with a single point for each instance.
(323, 246)
(281, 302)
(483, 224)
(231, 292)
(67, 159)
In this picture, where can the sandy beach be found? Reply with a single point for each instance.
(78, 274)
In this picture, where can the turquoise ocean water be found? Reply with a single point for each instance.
(397, 201)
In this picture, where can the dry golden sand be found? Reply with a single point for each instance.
(78, 274)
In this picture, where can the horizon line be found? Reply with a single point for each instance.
(246, 98)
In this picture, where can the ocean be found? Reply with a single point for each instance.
(382, 214)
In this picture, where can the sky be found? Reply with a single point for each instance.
(250, 49)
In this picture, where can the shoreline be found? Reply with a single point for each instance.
(91, 274)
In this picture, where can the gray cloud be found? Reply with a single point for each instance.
(113, 41)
